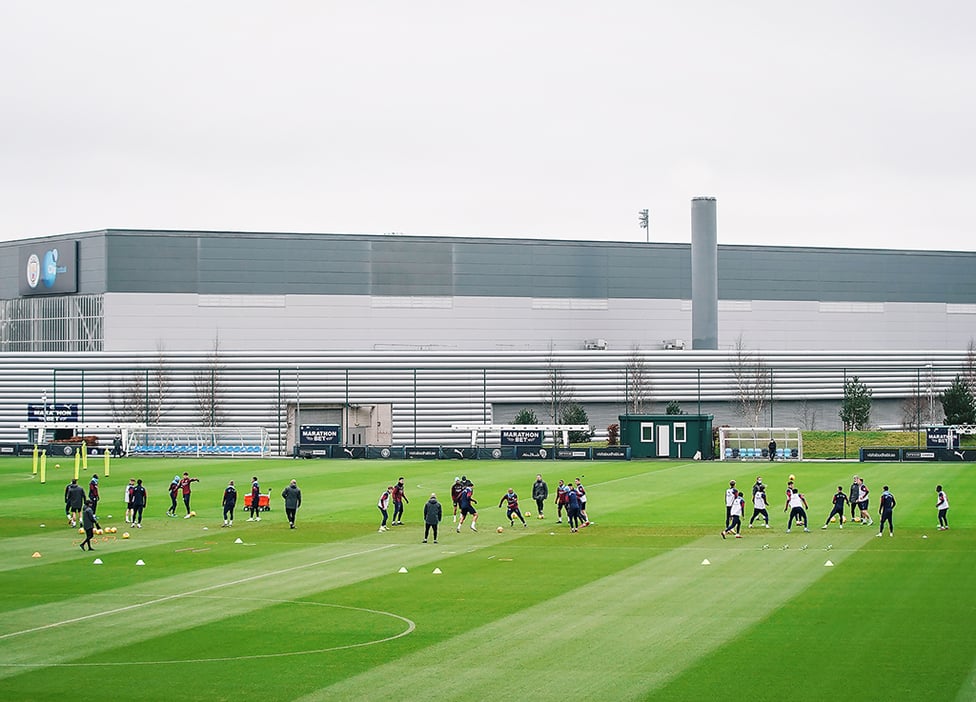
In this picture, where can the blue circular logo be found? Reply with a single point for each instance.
(49, 269)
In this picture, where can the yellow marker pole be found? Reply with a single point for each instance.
(77, 464)
(34, 461)
(108, 470)
(84, 456)
(43, 467)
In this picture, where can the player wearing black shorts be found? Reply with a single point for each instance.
(840, 503)
(466, 503)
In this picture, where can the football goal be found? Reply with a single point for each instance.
(752, 443)
(200, 441)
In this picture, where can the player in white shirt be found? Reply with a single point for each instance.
(797, 505)
(943, 506)
(759, 505)
(736, 509)
(862, 503)
(729, 499)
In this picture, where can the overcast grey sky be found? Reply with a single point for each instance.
(821, 123)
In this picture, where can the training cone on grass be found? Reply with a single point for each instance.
(706, 562)
(36, 554)
(97, 561)
(829, 564)
(437, 571)
(402, 570)
(140, 562)
(238, 540)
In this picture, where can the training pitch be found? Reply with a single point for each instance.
(647, 603)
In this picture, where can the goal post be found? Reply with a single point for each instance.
(752, 443)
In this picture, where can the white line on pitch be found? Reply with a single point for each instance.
(191, 592)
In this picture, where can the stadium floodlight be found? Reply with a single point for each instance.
(644, 217)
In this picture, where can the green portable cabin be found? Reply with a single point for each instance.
(667, 435)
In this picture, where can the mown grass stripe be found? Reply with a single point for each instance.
(625, 634)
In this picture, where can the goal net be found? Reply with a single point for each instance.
(200, 441)
(752, 443)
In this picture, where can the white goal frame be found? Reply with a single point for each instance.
(752, 443)
(200, 442)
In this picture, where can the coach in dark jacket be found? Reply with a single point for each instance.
(432, 516)
(293, 500)
(89, 522)
(540, 493)
(74, 501)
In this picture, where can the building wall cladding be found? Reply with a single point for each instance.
(186, 290)
(189, 322)
(445, 329)
(429, 391)
(335, 264)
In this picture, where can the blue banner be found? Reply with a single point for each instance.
(521, 437)
(52, 412)
(938, 437)
(319, 434)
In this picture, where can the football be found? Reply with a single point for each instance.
(125, 535)
(792, 477)
(57, 465)
(528, 514)
(500, 529)
(193, 514)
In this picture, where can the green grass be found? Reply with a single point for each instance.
(838, 444)
(623, 610)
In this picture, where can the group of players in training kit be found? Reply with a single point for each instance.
(571, 498)
(858, 499)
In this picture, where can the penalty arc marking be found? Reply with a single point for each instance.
(167, 598)
(411, 626)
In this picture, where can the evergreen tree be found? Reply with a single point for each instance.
(855, 410)
(525, 416)
(958, 403)
(674, 407)
(574, 413)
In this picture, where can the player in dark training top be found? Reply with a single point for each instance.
(513, 507)
(840, 504)
(229, 502)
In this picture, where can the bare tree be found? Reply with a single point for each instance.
(806, 415)
(751, 376)
(142, 395)
(209, 390)
(969, 372)
(639, 382)
(127, 398)
(160, 379)
(557, 393)
(913, 409)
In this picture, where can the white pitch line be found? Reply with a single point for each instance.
(411, 626)
(188, 593)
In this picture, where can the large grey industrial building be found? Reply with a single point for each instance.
(397, 337)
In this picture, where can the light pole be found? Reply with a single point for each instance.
(644, 217)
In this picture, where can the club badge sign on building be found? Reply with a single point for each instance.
(49, 269)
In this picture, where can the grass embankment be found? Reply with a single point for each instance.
(832, 444)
